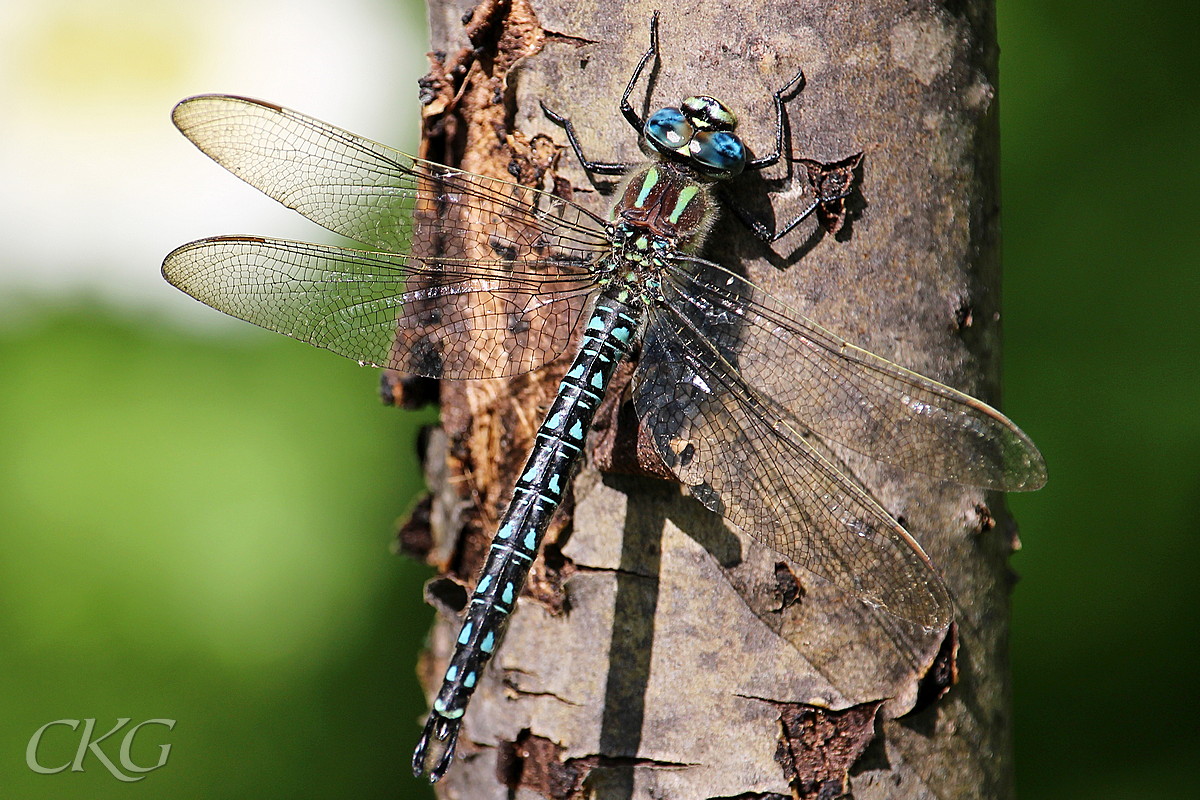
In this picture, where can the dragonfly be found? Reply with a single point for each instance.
(472, 277)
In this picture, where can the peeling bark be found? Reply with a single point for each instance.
(655, 653)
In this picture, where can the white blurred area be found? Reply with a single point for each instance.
(96, 185)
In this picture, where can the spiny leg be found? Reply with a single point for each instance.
(651, 52)
(627, 110)
(592, 167)
(794, 86)
(765, 232)
(758, 227)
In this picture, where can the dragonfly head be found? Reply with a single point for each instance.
(700, 134)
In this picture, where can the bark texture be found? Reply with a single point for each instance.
(655, 653)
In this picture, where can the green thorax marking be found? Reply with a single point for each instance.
(649, 181)
(686, 196)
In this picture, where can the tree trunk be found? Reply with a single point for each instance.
(655, 653)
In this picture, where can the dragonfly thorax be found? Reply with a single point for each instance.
(664, 201)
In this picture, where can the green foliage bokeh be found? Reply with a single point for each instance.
(1100, 119)
(199, 530)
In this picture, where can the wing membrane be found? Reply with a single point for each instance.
(369, 192)
(848, 394)
(738, 455)
(488, 320)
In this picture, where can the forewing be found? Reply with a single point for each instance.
(482, 320)
(847, 394)
(738, 455)
(379, 196)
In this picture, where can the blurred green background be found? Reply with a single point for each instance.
(194, 518)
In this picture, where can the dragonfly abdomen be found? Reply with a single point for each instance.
(557, 451)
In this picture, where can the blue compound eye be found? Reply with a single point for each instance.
(667, 129)
(718, 153)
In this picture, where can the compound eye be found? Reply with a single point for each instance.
(668, 130)
(708, 114)
(718, 153)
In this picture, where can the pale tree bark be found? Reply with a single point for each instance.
(656, 653)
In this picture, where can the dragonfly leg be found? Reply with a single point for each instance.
(593, 167)
(768, 233)
(627, 110)
(631, 116)
(790, 88)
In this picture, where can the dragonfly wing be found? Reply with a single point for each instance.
(482, 320)
(847, 394)
(379, 196)
(739, 456)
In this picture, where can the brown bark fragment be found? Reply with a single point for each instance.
(835, 180)
(819, 746)
(535, 763)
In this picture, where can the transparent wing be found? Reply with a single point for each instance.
(453, 320)
(493, 277)
(849, 395)
(738, 455)
(379, 196)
